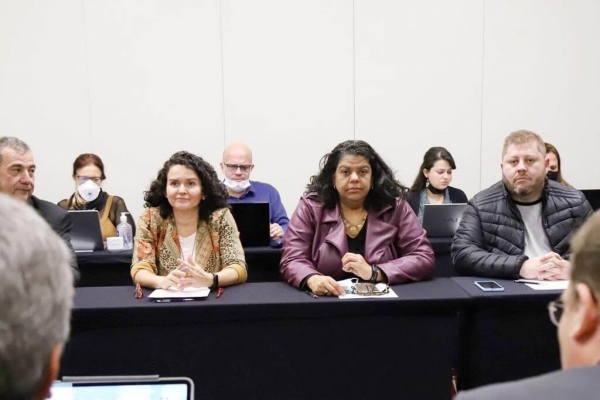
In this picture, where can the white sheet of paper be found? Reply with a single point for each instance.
(188, 292)
(548, 285)
(348, 283)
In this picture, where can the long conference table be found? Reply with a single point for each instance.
(271, 341)
(106, 268)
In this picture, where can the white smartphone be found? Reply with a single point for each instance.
(489, 286)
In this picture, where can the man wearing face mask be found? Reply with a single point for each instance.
(17, 179)
(237, 167)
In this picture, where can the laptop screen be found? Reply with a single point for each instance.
(253, 223)
(161, 389)
(441, 220)
(86, 234)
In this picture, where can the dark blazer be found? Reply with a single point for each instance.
(490, 239)
(572, 383)
(60, 221)
(456, 196)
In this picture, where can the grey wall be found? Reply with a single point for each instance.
(135, 81)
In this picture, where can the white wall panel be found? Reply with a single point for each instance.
(155, 86)
(418, 82)
(43, 86)
(136, 80)
(288, 85)
(541, 73)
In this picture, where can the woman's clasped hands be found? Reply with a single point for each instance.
(188, 273)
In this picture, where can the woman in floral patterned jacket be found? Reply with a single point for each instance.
(187, 235)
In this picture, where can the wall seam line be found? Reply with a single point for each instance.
(481, 110)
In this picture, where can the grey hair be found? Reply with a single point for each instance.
(16, 144)
(36, 296)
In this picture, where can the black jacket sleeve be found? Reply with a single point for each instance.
(60, 221)
(457, 195)
(412, 198)
(63, 229)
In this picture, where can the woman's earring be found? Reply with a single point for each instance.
(426, 182)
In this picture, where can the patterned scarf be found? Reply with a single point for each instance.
(76, 202)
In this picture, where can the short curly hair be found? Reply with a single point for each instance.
(385, 187)
(214, 194)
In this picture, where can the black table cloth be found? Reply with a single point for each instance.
(271, 341)
(506, 335)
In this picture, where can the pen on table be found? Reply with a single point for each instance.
(220, 292)
(172, 300)
(311, 294)
(526, 281)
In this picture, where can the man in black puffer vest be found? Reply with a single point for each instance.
(520, 227)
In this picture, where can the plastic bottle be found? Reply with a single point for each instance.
(125, 231)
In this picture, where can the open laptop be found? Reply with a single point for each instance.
(593, 197)
(123, 387)
(86, 234)
(253, 222)
(441, 220)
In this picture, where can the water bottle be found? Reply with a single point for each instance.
(125, 231)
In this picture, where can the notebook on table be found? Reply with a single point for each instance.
(441, 220)
(253, 223)
(86, 234)
(122, 387)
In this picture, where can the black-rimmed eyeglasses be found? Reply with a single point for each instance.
(234, 167)
(555, 311)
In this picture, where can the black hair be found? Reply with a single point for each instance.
(214, 194)
(384, 186)
(432, 156)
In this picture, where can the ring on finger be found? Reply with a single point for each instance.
(326, 292)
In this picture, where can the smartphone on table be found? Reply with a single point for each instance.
(489, 286)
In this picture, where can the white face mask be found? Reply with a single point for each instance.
(236, 186)
(88, 190)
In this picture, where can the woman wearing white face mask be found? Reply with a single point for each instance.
(88, 174)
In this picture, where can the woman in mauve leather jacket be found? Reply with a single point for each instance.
(353, 222)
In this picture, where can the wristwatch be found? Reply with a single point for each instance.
(374, 273)
(215, 281)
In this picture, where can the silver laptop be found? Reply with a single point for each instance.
(86, 234)
(123, 387)
(441, 220)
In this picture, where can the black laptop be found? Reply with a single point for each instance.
(253, 222)
(593, 197)
(441, 220)
(86, 235)
(122, 387)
